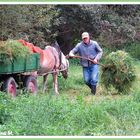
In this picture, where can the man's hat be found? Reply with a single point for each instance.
(85, 35)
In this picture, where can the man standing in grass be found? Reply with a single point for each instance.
(89, 49)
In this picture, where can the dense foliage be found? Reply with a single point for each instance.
(111, 25)
(133, 49)
(119, 71)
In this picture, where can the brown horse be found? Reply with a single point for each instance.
(54, 63)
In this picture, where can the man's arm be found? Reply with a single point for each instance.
(99, 50)
(71, 53)
(74, 50)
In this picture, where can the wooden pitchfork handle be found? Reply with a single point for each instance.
(81, 57)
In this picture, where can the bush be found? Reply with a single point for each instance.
(118, 72)
(133, 49)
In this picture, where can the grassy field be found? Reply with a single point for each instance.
(74, 112)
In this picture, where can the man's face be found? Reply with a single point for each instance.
(86, 40)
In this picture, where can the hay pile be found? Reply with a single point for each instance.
(11, 50)
(118, 72)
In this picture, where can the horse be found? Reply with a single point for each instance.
(55, 62)
(52, 61)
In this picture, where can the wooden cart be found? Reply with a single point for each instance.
(20, 73)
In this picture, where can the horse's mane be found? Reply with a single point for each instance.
(56, 46)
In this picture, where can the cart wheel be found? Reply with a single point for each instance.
(9, 86)
(30, 84)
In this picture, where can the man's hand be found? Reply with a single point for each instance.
(71, 54)
(95, 61)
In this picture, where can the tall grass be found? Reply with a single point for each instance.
(5, 105)
(50, 115)
(75, 112)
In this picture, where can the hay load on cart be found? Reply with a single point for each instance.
(18, 67)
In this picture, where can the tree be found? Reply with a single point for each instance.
(26, 22)
(70, 21)
(111, 25)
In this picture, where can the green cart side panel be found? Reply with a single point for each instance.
(18, 65)
(31, 63)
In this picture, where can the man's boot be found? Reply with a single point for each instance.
(89, 85)
(93, 89)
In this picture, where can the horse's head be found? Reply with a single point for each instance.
(65, 72)
(64, 63)
(64, 66)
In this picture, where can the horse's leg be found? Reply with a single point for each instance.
(55, 83)
(44, 88)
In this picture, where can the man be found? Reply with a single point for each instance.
(89, 49)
